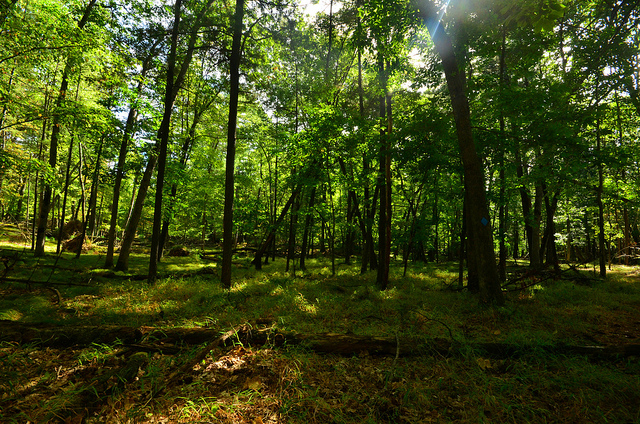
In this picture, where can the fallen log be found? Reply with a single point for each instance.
(50, 335)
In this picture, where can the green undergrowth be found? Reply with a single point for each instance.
(255, 384)
(424, 302)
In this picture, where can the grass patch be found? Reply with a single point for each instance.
(292, 384)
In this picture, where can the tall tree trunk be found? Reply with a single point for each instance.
(350, 234)
(473, 277)
(36, 193)
(549, 239)
(479, 222)
(83, 198)
(568, 246)
(352, 210)
(66, 183)
(463, 243)
(163, 139)
(435, 218)
(332, 228)
(122, 157)
(516, 240)
(45, 205)
(293, 224)
(98, 219)
(65, 195)
(135, 214)
(602, 253)
(525, 200)
(411, 212)
(93, 200)
(368, 260)
(502, 262)
(384, 181)
(373, 258)
(187, 146)
(257, 260)
(627, 234)
(132, 202)
(229, 186)
(18, 209)
(535, 261)
(27, 210)
(308, 222)
(174, 83)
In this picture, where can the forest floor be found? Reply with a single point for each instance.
(159, 378)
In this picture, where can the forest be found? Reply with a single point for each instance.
(211, 209)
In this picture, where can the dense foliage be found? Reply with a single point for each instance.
(345, 142)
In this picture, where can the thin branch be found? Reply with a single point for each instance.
(35, 49)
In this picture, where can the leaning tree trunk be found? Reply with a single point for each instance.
(479, 222)
(163, 131)
(257, 260)
(163, 139)
(184, 154)
(45, 204)
(122, 156)
(135, 215)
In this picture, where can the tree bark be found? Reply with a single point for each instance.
(93, 196)
(293, 226)
(548, 249)
(122, 157)
(229, 186)
(502, 262)
(45, 204)
(602, 253)
(187, 146)
(463, 243)
(384, 181)
(163, 138)
(135, 215)
(163, 131)
(257, 260)
(479, 220)
(525, 200)
(65, 195)
(308, 221)
(535, 261)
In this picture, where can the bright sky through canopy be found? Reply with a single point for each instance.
(313, 7)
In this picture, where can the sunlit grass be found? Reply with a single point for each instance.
(10, 315)
(314, 300)
(296, 385)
